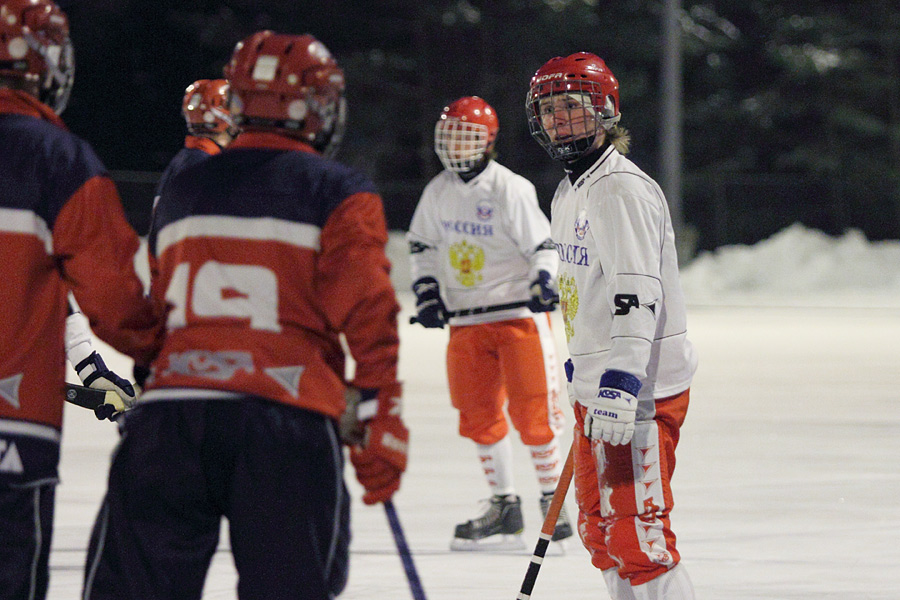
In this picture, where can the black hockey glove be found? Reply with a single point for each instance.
(543, 297)
(429, 306)
(94, 373)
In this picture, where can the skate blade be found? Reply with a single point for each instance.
(494, 543)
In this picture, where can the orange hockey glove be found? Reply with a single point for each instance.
(380, 459)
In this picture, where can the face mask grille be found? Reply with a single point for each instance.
(460, 145)
(563, 119)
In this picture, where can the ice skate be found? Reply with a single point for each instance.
(563, 525)
(498, 529)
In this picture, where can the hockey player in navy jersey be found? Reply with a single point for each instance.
(62, 230)
(209, 125)
(478, 239)
(266, 253)
(631, 362)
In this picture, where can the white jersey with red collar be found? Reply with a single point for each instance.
(618, 279)
(483, 240)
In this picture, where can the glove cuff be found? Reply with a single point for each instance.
(364, 405)
(367, 406)
(620, 380)
(543, 277)
(90, 369)
(426, 288)
(388, 400)
(78, 338)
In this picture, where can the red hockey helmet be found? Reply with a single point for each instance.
(576, 89)
(289, 83)
(205, 107)
(465, 133)
(35, 48)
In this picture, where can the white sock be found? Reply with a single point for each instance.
(547, 465)
(496, 461)
(618, 588)
(671, 585)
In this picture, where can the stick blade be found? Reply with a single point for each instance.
(85, 397)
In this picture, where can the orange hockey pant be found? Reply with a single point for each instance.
(624, 495)
(489, 362)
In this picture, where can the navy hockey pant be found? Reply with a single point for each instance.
(274, 471)
(26, 526)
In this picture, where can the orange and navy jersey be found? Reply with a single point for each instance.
(266, 254)
(62, 228)
(196, 149)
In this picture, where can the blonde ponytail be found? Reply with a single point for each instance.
(619, 138)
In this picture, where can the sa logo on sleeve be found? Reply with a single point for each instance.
(625, 302)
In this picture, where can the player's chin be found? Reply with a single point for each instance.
(566, 139)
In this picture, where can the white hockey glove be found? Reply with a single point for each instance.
(610, 416)
(94, 373)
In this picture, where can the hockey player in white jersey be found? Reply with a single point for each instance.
(482, 262)
(631, 363)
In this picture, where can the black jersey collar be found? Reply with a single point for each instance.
(579, 167)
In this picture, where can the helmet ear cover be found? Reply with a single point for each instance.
(465, 134)
(288, 83)
(578, 88)
(35, 50)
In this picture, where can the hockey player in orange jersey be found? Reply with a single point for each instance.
(62, 230)
(631, 362)
(478, 240)
(266, 253)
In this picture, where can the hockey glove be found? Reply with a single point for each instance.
(543, 297)
(362, 405)
(94, 373)
(430, 308)
(380, 459)
(610, 416)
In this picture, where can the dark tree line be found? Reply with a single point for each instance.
(791, 108)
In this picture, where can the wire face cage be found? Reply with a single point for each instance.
(564, 119)
(459, 144)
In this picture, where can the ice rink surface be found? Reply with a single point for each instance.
(787, 482)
